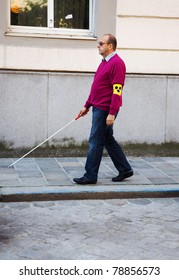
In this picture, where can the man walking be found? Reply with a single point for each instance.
(106, 99)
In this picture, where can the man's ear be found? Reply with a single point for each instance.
(110, 46)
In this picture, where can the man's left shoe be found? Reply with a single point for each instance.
(84, 181)
(122, 177)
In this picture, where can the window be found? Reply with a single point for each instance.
(73, 17)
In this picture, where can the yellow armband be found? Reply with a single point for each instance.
(117, 89)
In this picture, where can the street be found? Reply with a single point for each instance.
(118, 229)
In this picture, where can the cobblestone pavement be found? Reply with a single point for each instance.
(47, 178)
(115, 229)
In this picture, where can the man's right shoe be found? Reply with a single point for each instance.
(84, 181)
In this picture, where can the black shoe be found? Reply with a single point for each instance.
(84, 181)
(122, 177)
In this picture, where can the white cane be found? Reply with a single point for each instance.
(44, 141)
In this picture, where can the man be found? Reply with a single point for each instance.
(106, 99)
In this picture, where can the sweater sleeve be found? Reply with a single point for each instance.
(116, 101)
(87, 104)
(117, 78)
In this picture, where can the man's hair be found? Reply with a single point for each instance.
(112, 40)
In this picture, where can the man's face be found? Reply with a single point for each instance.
(104, 47)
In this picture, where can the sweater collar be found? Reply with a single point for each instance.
(107, 58)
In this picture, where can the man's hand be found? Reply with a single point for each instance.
(110, 119)
(83, 112)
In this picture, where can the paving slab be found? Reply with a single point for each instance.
(52, 178)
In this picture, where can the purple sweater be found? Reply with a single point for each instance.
(102, 91)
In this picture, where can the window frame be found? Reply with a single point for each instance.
(50, 31)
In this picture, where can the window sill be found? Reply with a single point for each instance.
(51, 34)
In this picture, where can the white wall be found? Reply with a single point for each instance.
(148, 33)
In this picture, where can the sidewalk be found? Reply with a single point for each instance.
(52, 179)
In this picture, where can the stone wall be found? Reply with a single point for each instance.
(34, 105)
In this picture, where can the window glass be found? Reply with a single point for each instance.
(29, 12)
(71, 14)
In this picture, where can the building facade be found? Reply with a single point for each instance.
(48, 56)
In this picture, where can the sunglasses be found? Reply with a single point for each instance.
(101, 44)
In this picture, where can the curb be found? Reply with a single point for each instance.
(88, 192)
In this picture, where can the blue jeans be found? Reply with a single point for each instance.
(102, 136)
